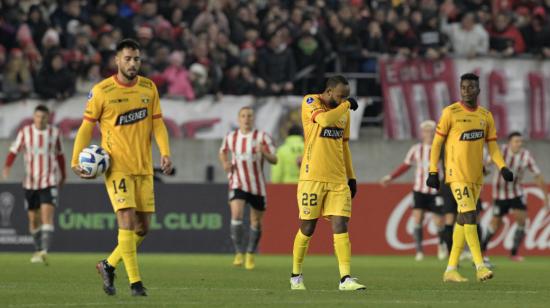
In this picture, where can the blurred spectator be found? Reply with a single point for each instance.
(468, 38)
(54, 81)
(287, 170)
(17, 83)
(433, 43)
(111, 12)
(238, 81)
(50, 41)
(86, 81)
(37, 24)
(403, 41)
(177, 77)
(65, 12)
(276, 65)
(505, 38)
(537, 35)
(199, 80)
(374, 41)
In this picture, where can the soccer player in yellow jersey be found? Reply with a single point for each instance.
(127, 108)
(327, 180)
(464, 128)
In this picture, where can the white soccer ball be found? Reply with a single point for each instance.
(94, 160)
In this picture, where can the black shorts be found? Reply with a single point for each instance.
(449, 202)
(35, 198)
(426, 202)
(502, 207)
(255, 201)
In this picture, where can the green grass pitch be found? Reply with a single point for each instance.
(179, 280)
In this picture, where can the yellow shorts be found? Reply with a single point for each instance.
(130, 191)
(466, 195)
(316, 199)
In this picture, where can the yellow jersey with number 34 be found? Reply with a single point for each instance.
(125, 114)
(466, 130)
(323, 159)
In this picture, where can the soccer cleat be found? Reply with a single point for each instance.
(297, 282)
(43, 254)
(37, 258)
(419, 256)
(351, 284)
(107, 273)
(517, 258)
(487, 263)
(138, 289)
(483, 273)
(442, 252)
(249, 263)
(239, 260)
(453, 276)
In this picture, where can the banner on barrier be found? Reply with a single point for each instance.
(516, 91)
(195, 218)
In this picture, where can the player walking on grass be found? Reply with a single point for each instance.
(424, 196)
(327, 180)
(248, 147)
(127, 107)
(43, 154)
(509, 196)
(464, 127)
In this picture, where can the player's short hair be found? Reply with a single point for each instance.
(244, 108)
(514, 134)
(469, 76)
(127, 43)
(427, 124)
(333, 81)
(42, 108)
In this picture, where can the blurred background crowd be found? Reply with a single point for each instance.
(54, 49)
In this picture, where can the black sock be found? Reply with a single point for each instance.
(448, 237)
(479, 237)
(417, 234)
(294, 275)
(486, 239)
(344, 278)
(518, 237)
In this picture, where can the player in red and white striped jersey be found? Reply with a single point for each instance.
(508, 196)
(43, 154)
(248, 147)
(424, 196)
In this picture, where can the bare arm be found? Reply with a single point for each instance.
(539, 180)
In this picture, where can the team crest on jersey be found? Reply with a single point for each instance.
(482, 123)
(309, 100)
(472, 135)
(306, 211)
(145, 99)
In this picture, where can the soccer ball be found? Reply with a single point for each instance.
(94, 160)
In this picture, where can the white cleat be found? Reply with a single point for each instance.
(419, 256)
(37, 258)
(351, 284)
(297, 283)
(442, 252)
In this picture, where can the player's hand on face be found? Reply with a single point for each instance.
(385, 180)
(166, 165)
(353, 105)
(82, 173)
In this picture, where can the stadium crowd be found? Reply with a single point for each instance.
(52, 49)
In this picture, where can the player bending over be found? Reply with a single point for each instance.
(464, 128)
(327, 180)
(509, 196)
(248, 147)
(127, 107)
(424, 196)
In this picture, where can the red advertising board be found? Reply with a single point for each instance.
(381, 223)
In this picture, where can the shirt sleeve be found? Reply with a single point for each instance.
(17, 145)
(267, 142)
(311, 107)
(491, 132)
(224, 148)
(347, 129)
(157, 112)
(409, 158)
(94, 107)
(444, 124)
(59, 144)
(532, 164)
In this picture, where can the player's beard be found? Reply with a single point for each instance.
(332, 103)
(129, 75)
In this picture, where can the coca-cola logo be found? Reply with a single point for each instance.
(400, 225)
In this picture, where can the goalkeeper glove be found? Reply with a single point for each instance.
(353, 103)
(507, 175)
(352, 183)
(433, 180)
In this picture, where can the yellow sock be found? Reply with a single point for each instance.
(342, 247)
(301, 243)
(127, 245)
(470, 232)
(458, 246)
(115, 256)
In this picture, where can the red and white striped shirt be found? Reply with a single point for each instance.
(247, 163)
(419, 155)
(517, 163)
(43, 155)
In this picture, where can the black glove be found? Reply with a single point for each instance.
(353, 103)
(352, 183)
(507, 175)
(433, 180)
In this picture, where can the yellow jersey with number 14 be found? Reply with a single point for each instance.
(125, 114)
(466, 130)
(323, 159)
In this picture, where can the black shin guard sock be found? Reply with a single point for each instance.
(237, 235)
(448, 237)
(518, 237)
(253, 240)
(417, 234)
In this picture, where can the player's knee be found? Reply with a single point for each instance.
(339, 226)
(467, 218)
(308, 227)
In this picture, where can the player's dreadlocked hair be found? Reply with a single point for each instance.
(333, 81)
(127, 43)
(469, 76)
